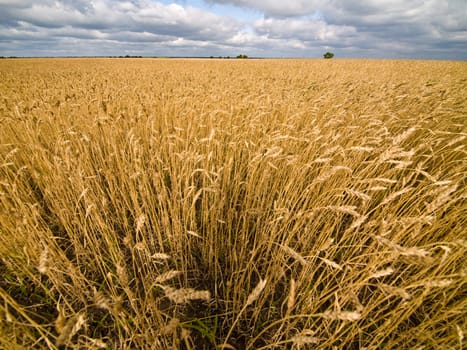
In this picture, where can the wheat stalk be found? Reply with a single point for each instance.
(291, 297)
(396, 194)
(252, 297)
(326, 175)
(400, 292)
(70, 328)
(256, 292)
(160, 256)
(167, 276)
(341, 315)
(44, 261)
(294, 254)
(306, 336)
(185, 295)
(332, 264)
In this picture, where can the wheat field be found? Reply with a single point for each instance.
(232, 204)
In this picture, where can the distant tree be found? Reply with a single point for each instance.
(242, 56)
(328, 55)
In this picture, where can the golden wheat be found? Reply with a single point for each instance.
(254, 204)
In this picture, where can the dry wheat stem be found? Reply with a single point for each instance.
(252, 297)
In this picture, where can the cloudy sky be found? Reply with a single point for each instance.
(428, 29)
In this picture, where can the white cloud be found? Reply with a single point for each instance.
(376, 28)
(134, 16)
(305, 29)
(27, 25)
(279, 8)
(423, 25)
(264, 45)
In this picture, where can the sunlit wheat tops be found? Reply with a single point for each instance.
(232, 204)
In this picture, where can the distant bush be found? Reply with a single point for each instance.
(328, 55)
(242, 56)
(129, 56)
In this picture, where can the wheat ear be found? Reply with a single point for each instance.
(254, 295)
